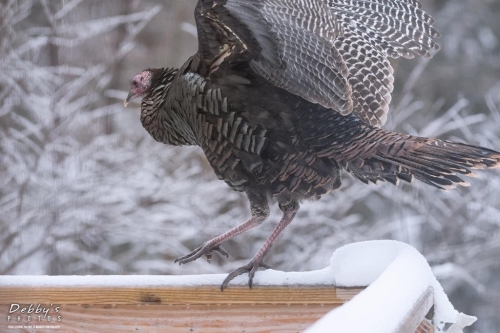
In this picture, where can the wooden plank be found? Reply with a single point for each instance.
(163, 308)
(425, 327)
(176, 295)
(172, 309)
(415, 321)
(258, 318)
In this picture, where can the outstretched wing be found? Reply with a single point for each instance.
(288, 42)
(375, 30)
(331, 52)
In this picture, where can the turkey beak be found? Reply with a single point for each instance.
(130, 97)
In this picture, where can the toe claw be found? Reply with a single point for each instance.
(221, 251)
(206, 249)
(231, 276)
(266, 266)
(251, 268)
(189, 257)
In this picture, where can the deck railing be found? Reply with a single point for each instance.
(174, 304)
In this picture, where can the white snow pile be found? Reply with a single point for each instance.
(397, 275)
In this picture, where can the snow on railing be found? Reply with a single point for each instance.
(387, 268)
(401, 290)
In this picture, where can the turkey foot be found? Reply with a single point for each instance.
(206, 249)
(251, 268)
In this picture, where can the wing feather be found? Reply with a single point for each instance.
(288, 42)
(375, 30)
(331, 52)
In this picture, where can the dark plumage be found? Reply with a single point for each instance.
(284, 94)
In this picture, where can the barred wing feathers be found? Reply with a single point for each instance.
(374, 31)
(331, 52)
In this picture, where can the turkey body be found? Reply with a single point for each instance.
(283, 95)
(257, 137)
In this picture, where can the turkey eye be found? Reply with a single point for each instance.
(142, 79)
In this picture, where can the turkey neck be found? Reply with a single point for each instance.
(162, 112)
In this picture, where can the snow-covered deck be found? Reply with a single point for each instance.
(401, 290)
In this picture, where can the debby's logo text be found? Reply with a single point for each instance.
(34, 312)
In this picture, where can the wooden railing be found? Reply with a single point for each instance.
(140, 304)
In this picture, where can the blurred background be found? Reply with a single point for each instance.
(85, 190)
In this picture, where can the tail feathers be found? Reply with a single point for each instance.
(434, 162)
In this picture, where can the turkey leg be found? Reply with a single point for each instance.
(289, 212)
(260, 212)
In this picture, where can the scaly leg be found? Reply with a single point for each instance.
(260, 212)
(289, 212)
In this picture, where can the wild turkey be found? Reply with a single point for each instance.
(284, 94)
